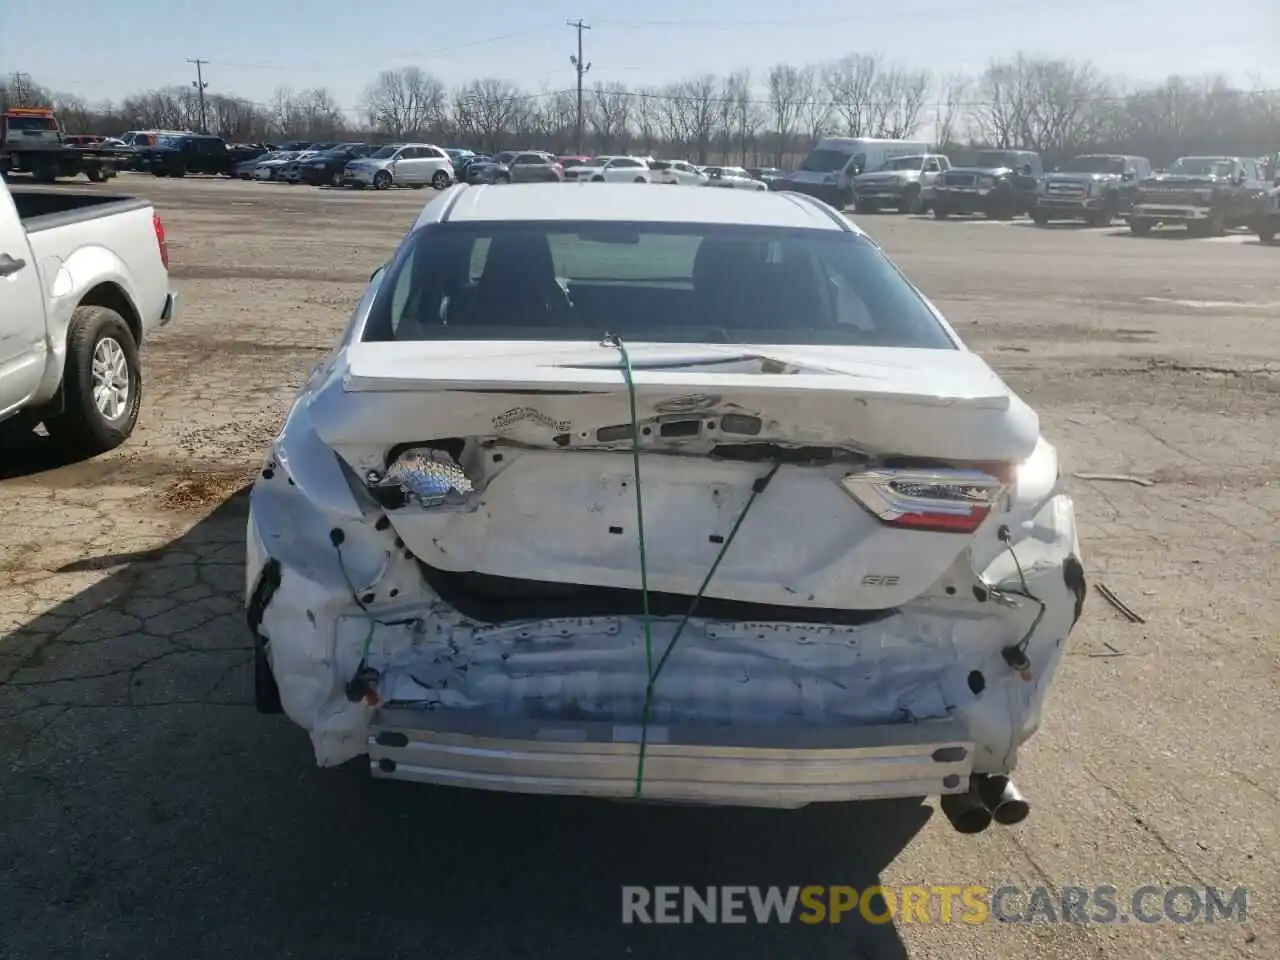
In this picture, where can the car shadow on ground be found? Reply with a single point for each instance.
(27, 453)
(1171, 233)
(162, 816)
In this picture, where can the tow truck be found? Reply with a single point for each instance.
(32, 141)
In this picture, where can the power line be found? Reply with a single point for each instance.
(200, 85)
(581, 67)
(20, 89)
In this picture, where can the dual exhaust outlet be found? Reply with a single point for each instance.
(988, 798)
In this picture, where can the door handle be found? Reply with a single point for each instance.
(10, 266)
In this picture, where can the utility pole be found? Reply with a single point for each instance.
(581, 67)
(200, 85)
(20, 89)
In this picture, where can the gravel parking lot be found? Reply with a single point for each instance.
(148, 811)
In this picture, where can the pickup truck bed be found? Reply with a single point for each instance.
(83, 279)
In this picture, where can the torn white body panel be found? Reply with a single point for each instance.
(926, 675)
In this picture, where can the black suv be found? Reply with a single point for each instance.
(327, 166)
(1000, 184)
(176, 155)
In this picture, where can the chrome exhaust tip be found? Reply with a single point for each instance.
(966, 811)
(1007, 804)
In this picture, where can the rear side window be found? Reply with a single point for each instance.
(655, 282)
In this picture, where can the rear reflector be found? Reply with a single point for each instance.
(161, 242)
(938, 500)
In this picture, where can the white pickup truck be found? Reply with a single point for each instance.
(83, 278)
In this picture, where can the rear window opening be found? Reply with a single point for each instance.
(655, 282)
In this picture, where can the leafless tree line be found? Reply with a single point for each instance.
(1056, 106)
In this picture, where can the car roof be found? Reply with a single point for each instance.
(633, 202)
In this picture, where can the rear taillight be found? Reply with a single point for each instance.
(160, 240)
(941, 500)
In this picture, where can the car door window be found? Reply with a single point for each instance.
(931, 166)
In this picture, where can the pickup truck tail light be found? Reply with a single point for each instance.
(160, 240)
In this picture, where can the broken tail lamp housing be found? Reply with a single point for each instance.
(423, 476)
(936, 500)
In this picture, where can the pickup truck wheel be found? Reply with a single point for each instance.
(1267, 234)
(95, 176)
(911, 201)
(102, 383)
(1140, 226)
(1040, 218)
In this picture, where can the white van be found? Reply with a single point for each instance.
(828, 172)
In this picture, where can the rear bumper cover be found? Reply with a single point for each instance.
(770, 714)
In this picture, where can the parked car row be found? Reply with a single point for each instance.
(1207, 194)
(423, 164)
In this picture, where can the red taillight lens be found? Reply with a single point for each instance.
(941, 500)
(160, 240)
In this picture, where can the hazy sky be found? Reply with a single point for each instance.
(100, 49)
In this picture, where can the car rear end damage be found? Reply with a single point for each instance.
(458, 582)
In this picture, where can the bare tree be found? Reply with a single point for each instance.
(283, 112)
(610, 116)
(486, 110)
(851, 85)
(645, 110)
(404, 102)
(237, 119)
(73, 111)
(552, 118)
(816, 113)
(671, 117)
(788, 88)
(897, 100)
(952, 90)
(1003, 117)
(701, 110)
(1055, 107)
(741, 119)
(319, 114)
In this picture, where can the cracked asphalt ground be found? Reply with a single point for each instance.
(147, 810)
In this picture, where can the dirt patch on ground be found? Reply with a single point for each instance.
(199, 490)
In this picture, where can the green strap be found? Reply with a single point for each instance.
(652, 671)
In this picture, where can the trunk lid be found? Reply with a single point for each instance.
(546, 431)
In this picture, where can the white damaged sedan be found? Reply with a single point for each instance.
(685, 497)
